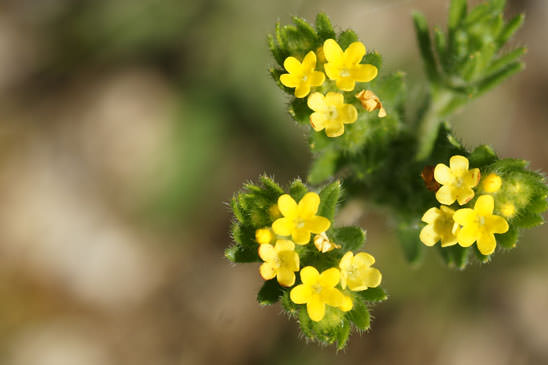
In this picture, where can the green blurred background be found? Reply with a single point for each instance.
(126, 125)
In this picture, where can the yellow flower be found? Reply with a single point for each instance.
(280, 260)
(345, 67)
(457, 181)
(491, 183)
(441, 226)
(300, 220)
(317, 290)
(264, 235)
(357, 273)
(323, 244)
(371, 102)
(331, 113)
(479, 224)
(302, 76)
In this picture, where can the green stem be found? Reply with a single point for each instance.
(428, 126)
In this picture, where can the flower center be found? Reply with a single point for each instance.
(345, 73)
(305, 78)
(299, 223)
(481, 220)
(332, 113)
(317, 288)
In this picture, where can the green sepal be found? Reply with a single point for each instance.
(373, 58)
(481, 156)
(270, 293)
(342, 335)
(408, 235)
(238, 253)
(346, 38)
(329, 197)
(297, 190)
(481, 257)
(373, 295)
(509, 239)
(350, 238)
(299, 110)
(455, 256)
(333, 328)
(359, 315)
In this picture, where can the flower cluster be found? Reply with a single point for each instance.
(278, 249)
(343, 70)
(468, 224)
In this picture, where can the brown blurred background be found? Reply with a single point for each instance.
(124, 127)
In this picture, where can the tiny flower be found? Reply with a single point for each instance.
(331, 113)
(280, 261)
(441, 226)
(491, 183)
(479, 224)
(371, 102)
(427, 176)
(300, 220)
(457, 181)
(302, 76)
(508, 210)
(357, 273)
(264, 235)
(323, 244)
(317, 290)
(345, 67)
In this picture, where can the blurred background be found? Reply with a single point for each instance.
(126, 125)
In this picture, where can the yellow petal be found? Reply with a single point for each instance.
(331, 296)
(363, 259)
(344, 279)
(373, 278)
(382, 112)
(316, 102)
(286, 277)
(484, 205)
(309, 275)
(316, 310)
(443, 174)
(487, 244)
(334, 130)
(317, 121)
(348, 114)
(428, 236)
(458, 163)
(364, 73)
(267, 271)
(284, 245)
(283, 226)
(309, 61)
(308, 205)
(317, 78)
(446, 195)
(464, 216)
(464, 194)
(346, 261)
(346, 304)
(300, 236)
(472, 178)
(354, 53)
(290, 80)
(332, 51)
(496, 224)
(467, 235)
(334, 99)
(287, 206)
(267, 252)
(431, 215)
(300, 294)
(292, 65)
(317, 224)
(302, 90)
(346, 83)
(447, 241)
(330, 277)
(332, 71)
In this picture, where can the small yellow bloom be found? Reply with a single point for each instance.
(479, 224)
(317, 290)
(345, 67)
(357, 273)
(280, 261)
(508, 210)
(264, 235)
(323, 244)
(491, 183)
(331, 113)
(457, 181)
(300, 220)
(441, 226)
(371, 102)
(302, 76)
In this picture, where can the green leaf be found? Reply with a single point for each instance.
(324, 27)
(509, 239)
(346, 38)
(297, 190)
(237, 209)
(270, 293)
(509, 29)
(323, 167)
(306, 32)
(457, 12)
(329, 197)
(455, 256)
(350, 238)
(359, 315)
(482, 156)
(425, 46)
(239, 253)
(373, 294)
(300, 111)
(504, 60)
(342, 335)
(497, 77)
(409, 240)
(274, 190)
(373, 58)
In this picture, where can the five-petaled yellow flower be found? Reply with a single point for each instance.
(317, 290)
(300, 220)
(357, 273)
(457, 181)
(281, 261)
(441, 226)
(345, 67)
(371, 102)
(331, 113)
(303, 75)
(479, 224)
